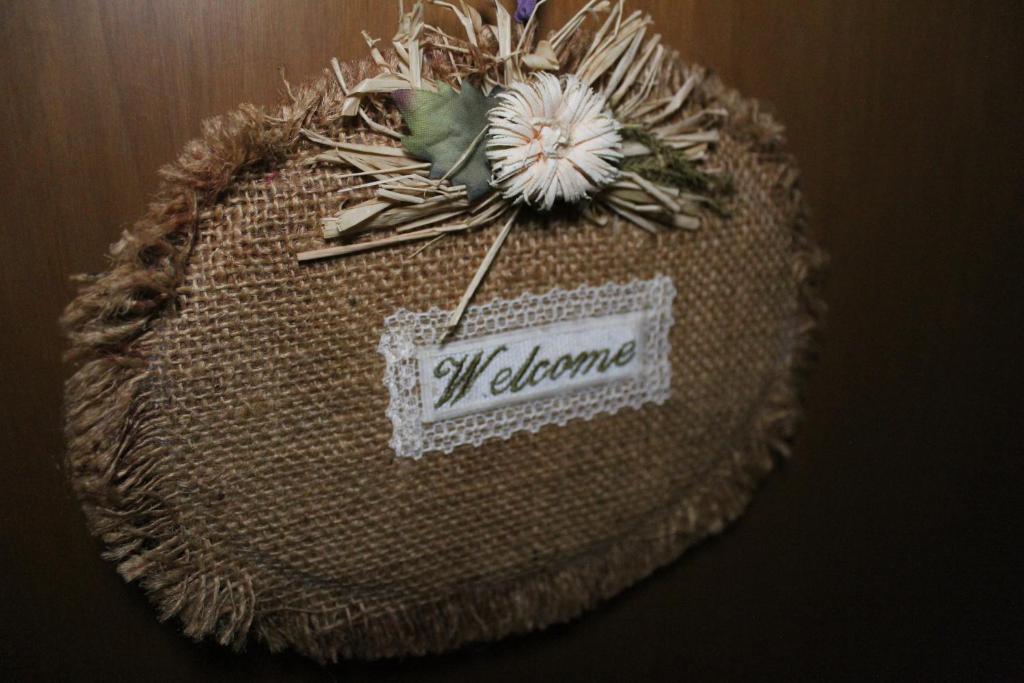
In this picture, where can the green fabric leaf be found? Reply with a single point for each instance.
(443, 125)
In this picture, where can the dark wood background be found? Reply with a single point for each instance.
(890, 546)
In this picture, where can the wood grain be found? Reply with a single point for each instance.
(890, 545)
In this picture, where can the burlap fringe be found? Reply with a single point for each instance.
(114, 426)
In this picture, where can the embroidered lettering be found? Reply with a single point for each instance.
(481, 374)
(520, 364)
(535, 370)
(461, 380)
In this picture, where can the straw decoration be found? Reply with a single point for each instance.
(505, 123)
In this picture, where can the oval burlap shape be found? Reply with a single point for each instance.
(227, 428)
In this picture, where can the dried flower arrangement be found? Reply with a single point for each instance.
(499, 120)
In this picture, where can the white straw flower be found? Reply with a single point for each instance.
(552, 139)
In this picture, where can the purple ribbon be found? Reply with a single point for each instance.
(524, 10)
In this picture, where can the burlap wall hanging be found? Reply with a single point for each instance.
(461, 340)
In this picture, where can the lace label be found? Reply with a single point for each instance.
(520, 364)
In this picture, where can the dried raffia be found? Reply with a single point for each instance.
(623, 65)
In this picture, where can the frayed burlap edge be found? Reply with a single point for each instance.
(114, 424)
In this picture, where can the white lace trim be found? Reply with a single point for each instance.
(408, 335)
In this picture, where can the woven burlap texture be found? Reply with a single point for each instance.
(227, 428)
